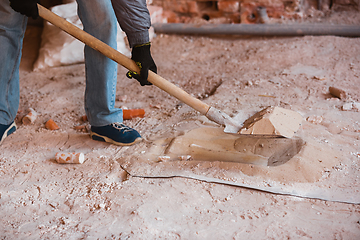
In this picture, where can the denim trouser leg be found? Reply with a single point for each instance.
(99, 20)
(12, 30)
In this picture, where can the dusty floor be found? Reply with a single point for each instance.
(41, 199)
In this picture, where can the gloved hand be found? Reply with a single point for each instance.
(26, 7)
(142, 57)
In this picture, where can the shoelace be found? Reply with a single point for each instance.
(121, 127)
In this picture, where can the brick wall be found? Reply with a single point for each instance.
(244, 11)
(240, 11)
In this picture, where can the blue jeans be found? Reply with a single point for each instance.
(99, 20)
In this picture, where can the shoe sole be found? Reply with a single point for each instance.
(98, 137)
(6, 133)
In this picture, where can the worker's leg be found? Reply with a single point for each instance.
(99, 20)
(12, 30)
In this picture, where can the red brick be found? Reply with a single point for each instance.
(171, 17)
(181, 6)
(228, 6)
(192, 7)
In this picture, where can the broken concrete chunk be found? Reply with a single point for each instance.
(351, 106)
(273, 121)
(347, 107)
(356, 106)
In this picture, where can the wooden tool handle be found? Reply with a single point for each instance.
(121, 59)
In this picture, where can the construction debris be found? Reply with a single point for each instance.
(133, 113)
(273, 121)
(51, 125)
(336, 92)
(349, 106)
(30, 117)
(62, 157)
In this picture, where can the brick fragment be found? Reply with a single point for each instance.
(51, 125)
(30, 117)
(337, 92)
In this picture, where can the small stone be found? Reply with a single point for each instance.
(347, 107)
(315, 119)
(163, 158)
(185, 157)
(356, 106)
(122, 98)
(249, 83)
(156, 106)
(80, 128)
(319, 78)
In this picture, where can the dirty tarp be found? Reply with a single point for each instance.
(308, 167)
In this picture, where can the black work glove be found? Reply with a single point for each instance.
(26, 7)
(142, 57)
